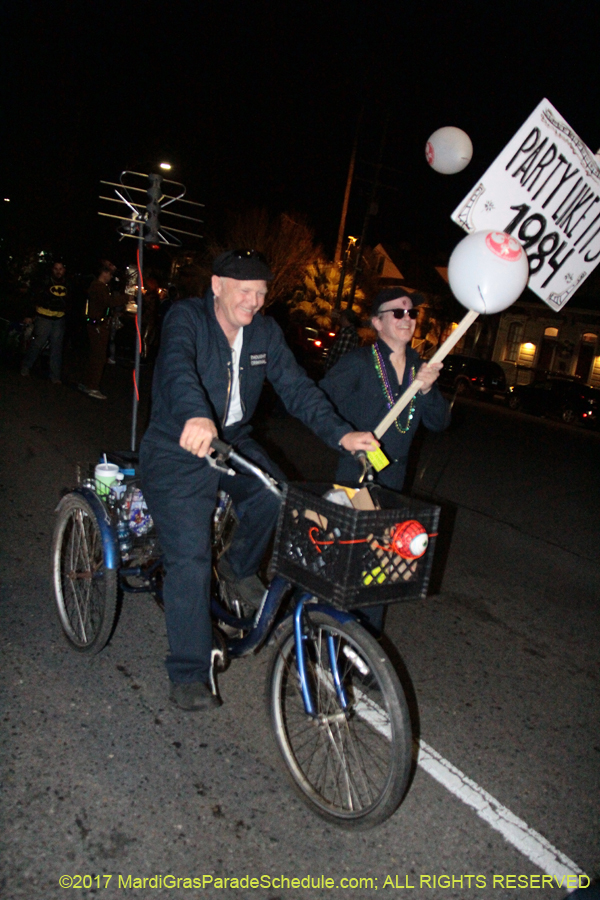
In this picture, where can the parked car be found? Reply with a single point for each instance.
(468, 376)
(559, 397)
(310, 345)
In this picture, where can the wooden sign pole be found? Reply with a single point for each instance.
(438, 356)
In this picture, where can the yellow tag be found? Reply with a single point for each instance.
(378, 459)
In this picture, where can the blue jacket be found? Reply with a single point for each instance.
(193, 377)
(354, 388)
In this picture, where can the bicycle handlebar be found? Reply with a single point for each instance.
(221, 447)
(228, 454)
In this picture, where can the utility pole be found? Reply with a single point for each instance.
(342, 228)
(372, 209)
(344, 269)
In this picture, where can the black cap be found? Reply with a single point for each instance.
(245, 265)
(394, 293)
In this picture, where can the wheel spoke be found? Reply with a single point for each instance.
(75, 582)
(86, 593)
(351, 764)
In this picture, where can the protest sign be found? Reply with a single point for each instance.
(544, 190)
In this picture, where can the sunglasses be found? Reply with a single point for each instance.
(249, 254)
(399, 313)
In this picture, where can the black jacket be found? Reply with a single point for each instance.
(193, 377)
(354, 388)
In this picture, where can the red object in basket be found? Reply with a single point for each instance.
(409, 539)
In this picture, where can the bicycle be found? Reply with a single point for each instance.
(336, 706)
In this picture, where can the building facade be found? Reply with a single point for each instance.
(532, 337)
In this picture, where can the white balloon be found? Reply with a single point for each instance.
(449, 150)
(488, 271)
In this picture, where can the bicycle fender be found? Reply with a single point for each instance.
(340, 615)
(107, 531)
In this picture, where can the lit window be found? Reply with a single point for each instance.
(527, 354)
(513, 342)
(551, 332)
(589, 338)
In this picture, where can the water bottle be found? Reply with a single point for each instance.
(124, 535)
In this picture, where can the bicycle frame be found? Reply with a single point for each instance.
(259, 626)
(107, 531)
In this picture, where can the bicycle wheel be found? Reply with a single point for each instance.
(350, 766)
(85, 590)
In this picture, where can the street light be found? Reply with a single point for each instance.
(167, 166)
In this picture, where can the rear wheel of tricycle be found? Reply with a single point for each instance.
(85, 590)
(350, 765)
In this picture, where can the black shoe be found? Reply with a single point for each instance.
(193, 696)
(249, 590)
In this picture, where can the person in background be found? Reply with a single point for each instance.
(49, 324)
(100, 306)
(347, 338)
(365, 384)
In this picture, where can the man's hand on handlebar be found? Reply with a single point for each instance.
(197, 435)
(359, 440)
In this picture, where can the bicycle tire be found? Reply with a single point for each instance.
(85, 590)
(352, 767)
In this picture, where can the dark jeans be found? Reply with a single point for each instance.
(46, 328)
(180, 492)
(98, 336)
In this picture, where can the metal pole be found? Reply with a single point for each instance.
(138, 340)
(340, 240)
(340, 290)
(371, 211)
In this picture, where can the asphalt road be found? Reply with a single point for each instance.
(103, 777)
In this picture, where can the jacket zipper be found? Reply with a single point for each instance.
(242, 404)
(228, 393)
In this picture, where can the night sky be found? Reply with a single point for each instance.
(256, 105)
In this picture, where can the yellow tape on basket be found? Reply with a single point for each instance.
(378, 459)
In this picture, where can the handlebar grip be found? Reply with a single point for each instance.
(221, 447)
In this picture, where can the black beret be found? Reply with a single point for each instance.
(393, 293)
(244, 265)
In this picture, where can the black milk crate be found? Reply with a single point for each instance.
(343, 555)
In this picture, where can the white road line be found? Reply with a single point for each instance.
(514, 830)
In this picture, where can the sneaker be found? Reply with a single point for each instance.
(98, 395)
(82, 388)
(24, 371)
(193, 696)
(111, 362)
(250, 590)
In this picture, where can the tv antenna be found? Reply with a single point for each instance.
(142, 223)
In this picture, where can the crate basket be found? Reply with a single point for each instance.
(344, 555)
